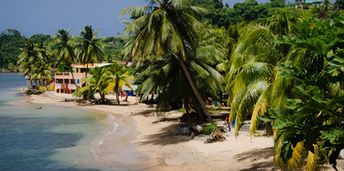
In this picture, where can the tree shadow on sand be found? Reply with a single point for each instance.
(145, 113)
(266, 154)
(255, 155)
(166, 136)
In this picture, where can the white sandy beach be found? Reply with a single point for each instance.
(138, 144)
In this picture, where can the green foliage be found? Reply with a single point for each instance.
(312, 114)
(113, 47)
(10, 42)
(277, 3)
(166, 77)
(97, 83)
(63, 50)
(89, 48)
(182, 110)
(216, 4)
(282, 64)
(250, 72)
(120, 77)
(299, 60)
(339, 4)
(169, 34)
(34, 63)
(104, 81)
(40, 38)
(208, 129)
(241, 12)
(313, 119)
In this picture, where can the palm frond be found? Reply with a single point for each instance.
(296, 159)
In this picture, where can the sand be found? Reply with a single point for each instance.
(138, 144)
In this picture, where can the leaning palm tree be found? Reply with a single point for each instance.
(64, 50)
(166, 77)
(89, 48)
(250, 74)
(253, 82)
(120, 77)
(167, 29)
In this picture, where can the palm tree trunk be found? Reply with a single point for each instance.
(86, 93)
(117, 90)
(117, 96)
(72, 73)
(102, 97)
(86, 71)
(203, 113)
(30, 86)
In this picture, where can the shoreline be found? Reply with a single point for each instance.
(115, 148)
(137, 143)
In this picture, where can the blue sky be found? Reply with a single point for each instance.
(47, 16)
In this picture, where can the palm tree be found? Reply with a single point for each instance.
(283, 20)
(29, 59)
(89, 47)
(167, 29)
(250, 74)
(42, 72)
(253, 80)
(97, 83)
(166, 77)
(120, 77)
(64, 50)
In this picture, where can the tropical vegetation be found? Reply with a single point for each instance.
(280, 65)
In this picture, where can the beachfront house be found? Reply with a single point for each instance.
(64, 82)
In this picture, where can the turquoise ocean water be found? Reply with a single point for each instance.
(51, 138)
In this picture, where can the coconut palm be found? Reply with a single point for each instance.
(165, 76)
(64, 50)
(29, 59)
(167, 29)
(120, 77)
(89, 47)
(250, 74)
(253, 82)
(42, 72)
(282, 22)
(97, 83)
